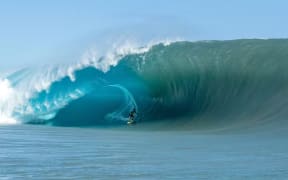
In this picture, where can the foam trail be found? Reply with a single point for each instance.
(128, 105)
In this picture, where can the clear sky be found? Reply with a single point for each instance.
(33, 31)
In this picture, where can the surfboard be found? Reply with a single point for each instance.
(131, 121)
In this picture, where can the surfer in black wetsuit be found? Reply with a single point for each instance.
(132, 115)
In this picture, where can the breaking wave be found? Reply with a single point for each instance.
(184, 84)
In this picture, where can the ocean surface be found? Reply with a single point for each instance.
(42, 152)
(205, 110)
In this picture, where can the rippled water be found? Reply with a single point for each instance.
(41, 152)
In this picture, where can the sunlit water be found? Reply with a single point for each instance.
(41, 152)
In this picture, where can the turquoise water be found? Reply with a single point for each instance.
(41, 152)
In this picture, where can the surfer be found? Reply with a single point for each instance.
(132, 115)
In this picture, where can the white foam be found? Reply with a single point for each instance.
(6, 107)
(118, 50)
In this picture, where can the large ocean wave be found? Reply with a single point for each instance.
(235, 83)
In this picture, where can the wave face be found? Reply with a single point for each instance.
(185, 84)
